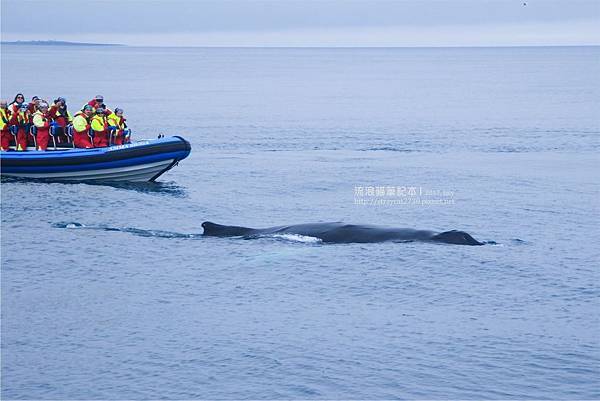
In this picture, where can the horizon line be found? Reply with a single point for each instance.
(67, 43)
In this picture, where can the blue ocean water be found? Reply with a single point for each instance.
(130, 303)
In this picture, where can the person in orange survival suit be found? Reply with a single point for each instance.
(81, 127)
(41, 120)
(5, 135)
(19, 122)
(99, 125)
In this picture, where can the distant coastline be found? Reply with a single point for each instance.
(76, 44)
(56, 43)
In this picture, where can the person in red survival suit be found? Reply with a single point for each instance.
(5, 135)
(81, 128)
(19, 121)
(33, 105)
(98, 101)
(41, 120)
(99, 125)
(62, 117)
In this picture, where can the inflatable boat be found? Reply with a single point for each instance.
(135, 162)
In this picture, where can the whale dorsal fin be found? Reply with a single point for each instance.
(456, 237)
(218, 230)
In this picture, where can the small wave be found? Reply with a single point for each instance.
(514, 241)
(130, 230)
(68, 225)
(156, 233)
(387, 149)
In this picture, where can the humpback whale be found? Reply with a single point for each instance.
(344, 233)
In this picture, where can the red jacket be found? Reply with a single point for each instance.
(93, 102)
(31, 107)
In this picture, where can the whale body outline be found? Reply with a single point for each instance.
(340, 233)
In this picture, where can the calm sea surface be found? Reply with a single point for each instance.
(502, 143)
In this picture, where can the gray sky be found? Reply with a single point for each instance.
(306, 23)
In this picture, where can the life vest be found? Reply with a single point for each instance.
(117, 121)
(81, 123)
(62, 116)
(22, 119)
(4, 118)
(41, 120)
(99, 123)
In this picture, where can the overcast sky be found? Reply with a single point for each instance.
(306, 23)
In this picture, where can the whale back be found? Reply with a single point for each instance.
(456, 237)
(337, 232)
(340, 233)
(218, 230)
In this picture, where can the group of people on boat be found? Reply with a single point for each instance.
(37, 123)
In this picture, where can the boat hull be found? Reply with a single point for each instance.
(136, 162)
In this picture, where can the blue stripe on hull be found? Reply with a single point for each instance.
(96, 166)
(79, 153)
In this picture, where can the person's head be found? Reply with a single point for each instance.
(23, 107)
(35, 100)
(99, 99)
(88, 110)
(61, 101)
(3, 104)
(119, 112)
(100, 111)
(20, 98)
(43, 107)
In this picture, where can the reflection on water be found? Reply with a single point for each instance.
(170, 188)
(159, 187)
